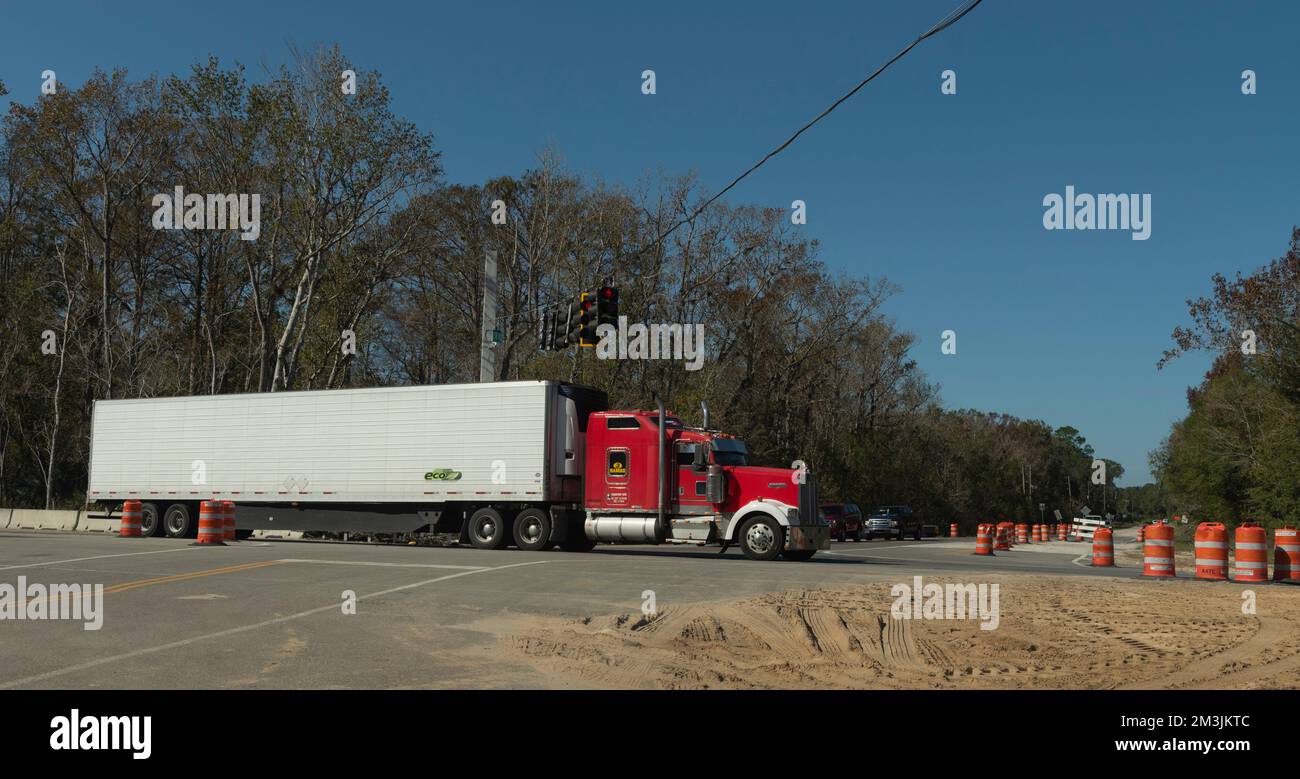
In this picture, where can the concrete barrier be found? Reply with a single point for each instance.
(91, 523)
(285, 534)
(5, 514)
(38, 519)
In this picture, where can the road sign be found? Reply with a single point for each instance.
(1057, 512)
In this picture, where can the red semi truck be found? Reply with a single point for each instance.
(535, 464)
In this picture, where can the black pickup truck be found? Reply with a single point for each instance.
(894, 522)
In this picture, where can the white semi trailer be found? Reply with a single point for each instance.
(378, 459)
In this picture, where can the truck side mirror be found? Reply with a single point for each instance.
(701, 461)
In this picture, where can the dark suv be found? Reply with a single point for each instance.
(845, 520)
(894, 522)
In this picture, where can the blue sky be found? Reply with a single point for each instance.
(941, 194)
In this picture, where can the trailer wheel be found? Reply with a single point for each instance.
(761, 538)
(177, 522)
(532, 530)
(487, 530)
(150, 520)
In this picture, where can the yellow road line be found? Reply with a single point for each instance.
(180, 577)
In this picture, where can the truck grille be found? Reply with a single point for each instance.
(808, 513)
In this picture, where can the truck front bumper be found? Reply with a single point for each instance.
(810, 537)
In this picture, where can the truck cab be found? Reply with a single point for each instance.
(651, 479)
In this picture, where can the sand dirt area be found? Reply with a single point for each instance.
(1064, 632)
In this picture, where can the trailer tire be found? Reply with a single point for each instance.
(761, 538)
(532, 530)
(150, 520)
(487, 529)
(178, 523)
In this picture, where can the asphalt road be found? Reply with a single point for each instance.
(270, 613)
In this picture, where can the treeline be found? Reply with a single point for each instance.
(360, 235)
(1236, 455)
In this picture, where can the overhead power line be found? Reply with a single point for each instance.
(944, 23)
(952, 18)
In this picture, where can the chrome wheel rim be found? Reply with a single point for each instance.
(760, 538)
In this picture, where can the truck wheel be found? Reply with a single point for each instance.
(487, 530)
(533, 530)
(150, 520)
(761, 538)
(177, 522)
(799, 555)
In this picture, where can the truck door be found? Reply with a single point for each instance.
(688, 492)
(618, 469)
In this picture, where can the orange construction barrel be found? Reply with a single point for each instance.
(1251, 563)
(1158, 552)
(1022, 533)
(1103, 548)
(212, 523)
(952, 530)
(228, 514)
(130, 527)
(1001, 536)
(1212, 551)
(1060, 531)
(1286, 555)
(984, 540)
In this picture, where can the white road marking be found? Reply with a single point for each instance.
(98, 557)
(244, 629)
(868, 553)
(387, 565)
(903, 546)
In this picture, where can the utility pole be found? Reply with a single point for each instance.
(487, 340)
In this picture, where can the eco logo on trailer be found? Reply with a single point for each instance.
(442, 474)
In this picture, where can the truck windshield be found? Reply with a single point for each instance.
(729, 451)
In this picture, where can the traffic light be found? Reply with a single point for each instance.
(607, 306)
(546, 332)
(574, 321)
(577, 324)
(586, 315)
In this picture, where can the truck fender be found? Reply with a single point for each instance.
(773, 509)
